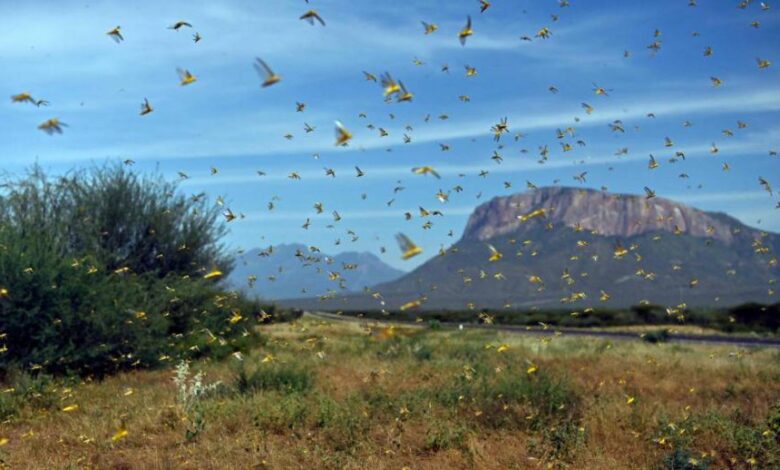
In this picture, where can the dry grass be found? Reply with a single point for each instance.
(393, 397)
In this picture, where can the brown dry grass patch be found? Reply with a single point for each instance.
(380, 400)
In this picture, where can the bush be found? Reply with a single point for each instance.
(422, 351)
(756, 317)
(540, 403)
(140, 222)
(659, 336)
(681, 459)
(275, 376)
(9, 406)
(281, 412)
(342, 424)
(773, 421)
(103, 271)
(36, 392)
(744, 439)
(442, 436)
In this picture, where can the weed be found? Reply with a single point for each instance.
(275, 376)
(680, 458)
(279, 412)
(745, 441)
(9, 406)
(515, 400)
(441, 435)
(190, 394)
(343, 424)
(422, 351)
(36, 392)
(659, 336)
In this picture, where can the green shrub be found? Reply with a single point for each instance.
(103, 271)
(743, 438)
(680, 458)
(22, 390)
(281, 411)
(443, 435)
(773, 420)
(422, 351)
(470, 351)
(276, 376)
(9, 406)
(658, 336)
(540, 403)
(343, 424)
(756, 317)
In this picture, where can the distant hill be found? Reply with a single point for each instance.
(588, 248)
(293, 270)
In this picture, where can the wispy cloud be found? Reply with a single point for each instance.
(767, 99)
(58, 50)
(350, 216)
(260, 133)
(525, 165)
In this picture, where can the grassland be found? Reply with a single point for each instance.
(323, 394)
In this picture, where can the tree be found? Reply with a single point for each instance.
(102, 270)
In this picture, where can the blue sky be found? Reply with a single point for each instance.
(59, 51)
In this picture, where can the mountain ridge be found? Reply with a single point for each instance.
(585, 249)
(292, 269)
(616, 214)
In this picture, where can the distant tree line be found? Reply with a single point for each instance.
(745, 318)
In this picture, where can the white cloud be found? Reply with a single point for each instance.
(260, 133)
(348, 216)
(527, 164)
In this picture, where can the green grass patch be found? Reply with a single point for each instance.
(273, 376)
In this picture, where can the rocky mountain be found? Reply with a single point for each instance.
(605, 214)
(574, 248)
(294, 270)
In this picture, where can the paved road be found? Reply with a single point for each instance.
(748, 341)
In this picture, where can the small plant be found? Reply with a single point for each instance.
(190, 394)
(275, 376)
(743, 439)
(659, 336)
(443, 436)
(9, 406)
(342, 423)
(279, 412)
(545, 405)
(35, 392)
(422, 351)
(773, 420)
(681, 459)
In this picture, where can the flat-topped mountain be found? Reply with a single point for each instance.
(600, 212)
(576, 248)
